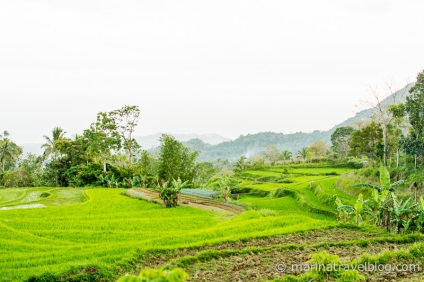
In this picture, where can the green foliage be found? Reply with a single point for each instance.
(324, 259)
(9, 152)
(384, 178)
(102, 137)
(50, 147)
(286, 155)
(355, 163)
(169, 194)
(367, 141)
(303, 153)
(386, 209)
(19, 177)
(318, 149)
(350, 276)
(225, 187)
(340, 140)
(415, 106)
(157, 275)
(175, 160)
(271, 154)
(126, 120)
(401, 212)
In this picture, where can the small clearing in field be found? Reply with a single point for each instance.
(185, 200)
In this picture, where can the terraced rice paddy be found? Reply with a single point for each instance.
(101, 234)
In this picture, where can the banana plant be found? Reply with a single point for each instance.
(382, 201)
(143, 180)
(419, 221)
(401, 212)
(344, 212)
(377, 204)
(224, 185)
(112, 182)
(169, 193)
(134, 182)
(358, 207)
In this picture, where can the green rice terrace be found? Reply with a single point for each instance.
(289, 214)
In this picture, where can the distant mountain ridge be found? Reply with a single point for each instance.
(367, 113)
(214, 146)
(152, 141)
(253, 144)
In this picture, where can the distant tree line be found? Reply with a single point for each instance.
(105, 154)
(393, 137)
(396, 137)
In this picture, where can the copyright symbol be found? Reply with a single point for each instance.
(280, 267)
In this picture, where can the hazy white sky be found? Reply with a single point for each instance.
(227, 67)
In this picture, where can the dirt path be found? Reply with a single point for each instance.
(185, 200)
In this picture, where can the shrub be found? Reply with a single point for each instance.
(45, 195)
(17, 178)
(355, 163)
(325, 263)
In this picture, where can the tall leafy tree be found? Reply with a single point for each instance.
(340, 140)
(383, 116)
(175, 160)
(367, 141)
(272, 154)
(126, 120)
(318, 148)
(398, 112)
(103, 137)
(415, 109)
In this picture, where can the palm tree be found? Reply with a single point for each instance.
(240, 165)
(286, 155)
(9, 151)
(50, 146)
(303, 153)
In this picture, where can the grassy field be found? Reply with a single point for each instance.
(108, 227)
(99, 233)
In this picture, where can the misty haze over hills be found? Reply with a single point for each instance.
(152, 141)
(213, 146)
(253, 144)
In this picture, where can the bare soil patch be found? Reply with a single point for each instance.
(260, 266)
(185, 200)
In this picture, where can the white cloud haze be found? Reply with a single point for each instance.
(227, 67)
